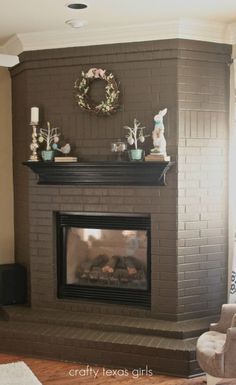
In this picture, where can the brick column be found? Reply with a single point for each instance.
(203, 100)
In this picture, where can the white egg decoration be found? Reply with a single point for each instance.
(130, 140)
(56, 139)
(141, 138)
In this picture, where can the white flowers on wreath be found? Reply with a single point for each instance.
(82, 86)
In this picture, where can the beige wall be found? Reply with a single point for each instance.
(6, 177)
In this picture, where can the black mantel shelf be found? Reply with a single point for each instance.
(101, 173)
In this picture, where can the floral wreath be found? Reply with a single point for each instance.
(82, 86)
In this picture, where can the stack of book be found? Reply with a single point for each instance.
(65, 159)
(155, 157)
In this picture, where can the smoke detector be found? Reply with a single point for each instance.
(76, 23)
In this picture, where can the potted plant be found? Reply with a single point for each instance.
(135, 135)
(51, 137)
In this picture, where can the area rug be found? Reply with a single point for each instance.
(17, 373)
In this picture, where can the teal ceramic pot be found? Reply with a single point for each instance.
(47, 155)
(136, 155)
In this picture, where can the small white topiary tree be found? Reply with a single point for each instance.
(49, 135)
(135, 134)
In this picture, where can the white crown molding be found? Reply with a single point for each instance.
(8, 60)
(231, 32)
(13, 46)
(203, 30)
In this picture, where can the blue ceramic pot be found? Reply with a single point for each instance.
(136, 155)
(47, 155)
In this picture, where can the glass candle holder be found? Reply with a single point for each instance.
(118, 147)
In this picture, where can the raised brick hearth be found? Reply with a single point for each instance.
(188, 215)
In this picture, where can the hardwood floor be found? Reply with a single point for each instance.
(63, 373)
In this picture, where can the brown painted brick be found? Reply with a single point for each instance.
(189, 78)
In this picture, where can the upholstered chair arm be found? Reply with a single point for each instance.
(227, 313)
(229, 351)
(233, 324)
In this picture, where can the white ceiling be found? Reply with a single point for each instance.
(46, 18)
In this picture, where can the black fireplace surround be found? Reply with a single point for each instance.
(104, 257)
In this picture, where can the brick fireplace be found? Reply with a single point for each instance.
(188, 216)
(83, 200)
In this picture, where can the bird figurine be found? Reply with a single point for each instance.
(65, 149)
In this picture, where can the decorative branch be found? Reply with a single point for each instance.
(135, 134)
(49, 135)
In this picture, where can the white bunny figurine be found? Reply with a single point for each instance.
(159, 141)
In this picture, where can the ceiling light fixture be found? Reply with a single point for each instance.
(76, 6)
(76, 23)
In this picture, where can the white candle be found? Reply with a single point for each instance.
(34, 115)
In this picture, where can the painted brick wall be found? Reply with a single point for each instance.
(202, 181)
(45, 201)
(152, 75)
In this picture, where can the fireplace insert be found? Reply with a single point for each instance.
(104, 257)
